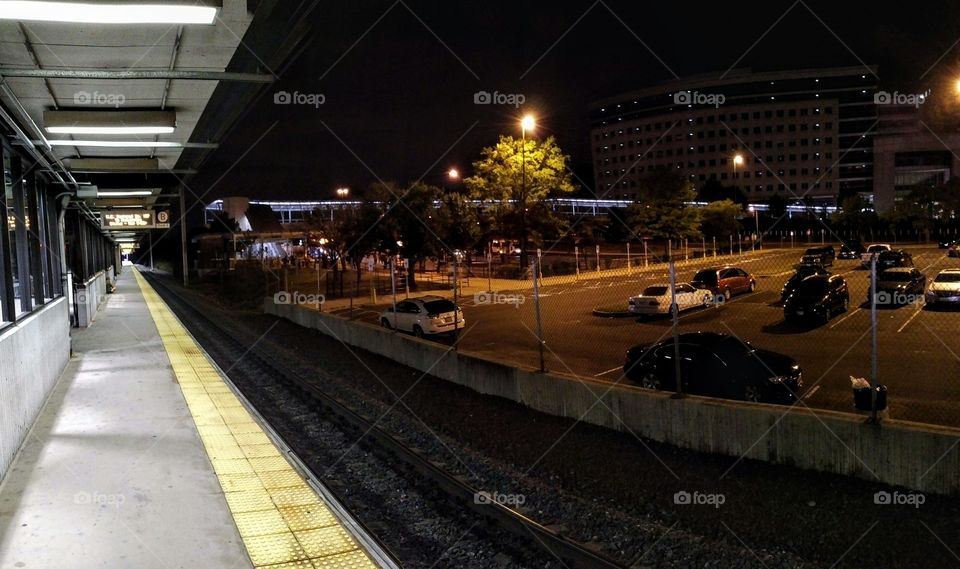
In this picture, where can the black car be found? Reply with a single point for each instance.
(899, 285)
(716, 365)
(852, 249)
(946, 243)
(826, 254)
(803, 271)
(896, 258)
(817, 299)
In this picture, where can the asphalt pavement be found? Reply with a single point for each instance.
(919, 349)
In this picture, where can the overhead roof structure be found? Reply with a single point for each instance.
(124, 113)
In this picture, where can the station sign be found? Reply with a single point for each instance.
(135, 219)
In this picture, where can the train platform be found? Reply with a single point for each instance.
(145, 456)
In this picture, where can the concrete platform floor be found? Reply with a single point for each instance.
(113, 473)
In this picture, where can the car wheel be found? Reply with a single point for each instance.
(650, 381)
(727, 295)
(418, 331)
(751, 393)
(846, 305)
(385, 324)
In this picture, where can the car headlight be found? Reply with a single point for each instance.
(778, 379)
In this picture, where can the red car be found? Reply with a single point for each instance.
(727, 281)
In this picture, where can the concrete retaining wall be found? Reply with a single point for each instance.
(90, 295)
(33, 353)
(921, 457)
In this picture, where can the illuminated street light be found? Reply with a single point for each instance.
(343, 192)
(453, 174)
(738, 160)
(527, 123)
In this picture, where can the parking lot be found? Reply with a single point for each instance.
(919, 349)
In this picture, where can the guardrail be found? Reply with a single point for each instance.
(914, 455)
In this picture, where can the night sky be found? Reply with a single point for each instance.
(402, 102)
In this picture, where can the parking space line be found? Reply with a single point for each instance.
(810, 393)
(603, 373)
(909, 320)
(844, 319)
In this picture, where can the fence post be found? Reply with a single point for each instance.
(393, 290)
(874, 367)
(456, 306)
(646, 256)
(576, 256)
(598, 259)
(628, 258)
(675, 312)
(536, 306)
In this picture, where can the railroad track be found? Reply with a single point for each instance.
(460, 494)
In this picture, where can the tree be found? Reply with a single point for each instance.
(719, 219)
(662, 210)
(856, 214)
(412, 217)
(714, 191)
(514, 177)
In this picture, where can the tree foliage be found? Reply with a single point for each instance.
(662, 210)
(720, 219)
(513, 178)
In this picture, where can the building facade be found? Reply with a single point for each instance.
(802, 135)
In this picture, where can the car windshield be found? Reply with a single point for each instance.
(896, 276)
(706, 277)
(439, 306)
(656, 291)
(947, 278)
(812, 287)
(876, 248)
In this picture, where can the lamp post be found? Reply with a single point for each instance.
(737, 162)
(756, 217)
(526, 123)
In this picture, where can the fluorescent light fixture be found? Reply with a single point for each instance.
(116, 143)
(109, 130)
(117, 12)
(113, 164)
(109, 122)
(123, 193)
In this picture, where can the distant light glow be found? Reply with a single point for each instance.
(106, 12)
(453, 174)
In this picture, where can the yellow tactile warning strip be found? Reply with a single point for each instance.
(282, 521)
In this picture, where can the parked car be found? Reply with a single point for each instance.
(424, 316)
(890, 259)
(716, 365)
(945, 289)
(817, 299)
(954, 250)
(726, 281)
(826, 254)
(872, 250)
(803, 271)
(946, 242)
(657, 299)
(899, 285)
(851, 249)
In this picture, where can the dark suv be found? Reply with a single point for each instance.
(826, 255)
(852, 249)
(890, 259)
(727, 281)
(817, 298)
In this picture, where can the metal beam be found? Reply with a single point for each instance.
(135, 74)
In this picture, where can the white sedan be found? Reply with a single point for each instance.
(656, 299)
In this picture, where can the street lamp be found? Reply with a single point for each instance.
(526, 123)
(453, 174)
(342, 193)
(756, 217)
(737, 162)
